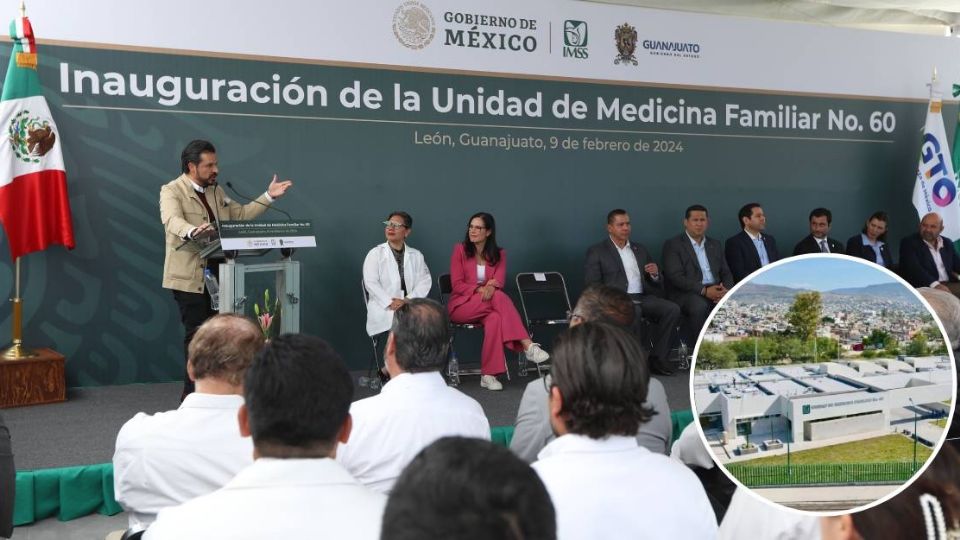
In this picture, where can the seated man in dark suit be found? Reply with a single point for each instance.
(818, 241)
(696, 274)
(625, 265)
(750, 249)
(928, 259)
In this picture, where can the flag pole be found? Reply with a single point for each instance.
(17, 350)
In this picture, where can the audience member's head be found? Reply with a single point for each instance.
(222, 350)
(298, 393)
(599, 382)
(469, 489)
(903, 515)
(603, 303)
(876, 226)
(820, 221)
(752, 218)
(419, 340)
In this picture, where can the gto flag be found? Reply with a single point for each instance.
(34, 207)
(936, 187)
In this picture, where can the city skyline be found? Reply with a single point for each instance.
(824, 274)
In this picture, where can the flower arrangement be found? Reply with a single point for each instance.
(267, 315)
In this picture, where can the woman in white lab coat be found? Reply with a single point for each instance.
(388, 287)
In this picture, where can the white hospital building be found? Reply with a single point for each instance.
(814, 402)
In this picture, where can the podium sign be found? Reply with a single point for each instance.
(242, 235)
(282, 278)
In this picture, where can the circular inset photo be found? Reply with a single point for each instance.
(824, 383)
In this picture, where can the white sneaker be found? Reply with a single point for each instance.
(490, 382)
(536, 355)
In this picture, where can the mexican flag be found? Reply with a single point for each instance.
(34, 206)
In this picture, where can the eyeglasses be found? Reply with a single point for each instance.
(476, 227)
(548, 382)
(393, 225)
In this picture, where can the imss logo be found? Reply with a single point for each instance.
(575, 39)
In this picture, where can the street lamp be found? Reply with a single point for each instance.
(914, 434)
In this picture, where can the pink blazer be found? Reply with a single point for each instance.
(463, 275)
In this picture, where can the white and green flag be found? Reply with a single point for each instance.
(936, 187)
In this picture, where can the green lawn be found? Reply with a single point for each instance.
(879, 449)
(939, 423)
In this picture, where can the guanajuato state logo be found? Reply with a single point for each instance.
(626, 38)
(413, 25)
(30, 137)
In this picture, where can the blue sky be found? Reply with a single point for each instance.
(823, 275)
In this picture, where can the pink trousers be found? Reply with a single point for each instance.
(502, 327)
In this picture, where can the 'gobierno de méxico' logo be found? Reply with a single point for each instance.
(30, 138)
(413, 25)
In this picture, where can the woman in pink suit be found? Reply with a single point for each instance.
(478, 272)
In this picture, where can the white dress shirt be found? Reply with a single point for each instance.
(410, 412)
(748, 517)
(278, 498)
(942, 275)
(381, 277)
(631, 267)
(171, 457)
(612, 489)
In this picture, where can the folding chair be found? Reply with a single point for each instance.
(544, 302)
(373, 371)
(454, 370)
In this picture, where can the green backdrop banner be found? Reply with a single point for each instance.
(360, 142)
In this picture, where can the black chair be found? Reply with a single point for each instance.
(545, 302)
(681, 349)
(454, 371)
(374, 373)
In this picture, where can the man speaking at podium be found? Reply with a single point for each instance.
(191, 208)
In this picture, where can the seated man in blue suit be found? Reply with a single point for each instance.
(928, 259)
(750, 249)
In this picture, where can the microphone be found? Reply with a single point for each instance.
(244, 197)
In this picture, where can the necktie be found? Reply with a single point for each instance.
(823, 247)
(203, 199)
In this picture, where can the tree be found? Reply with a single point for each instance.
(917, 345)
(826, 349)
(805, 313)
(715, 356)
(880, 339)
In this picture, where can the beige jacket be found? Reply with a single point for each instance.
(181, 211)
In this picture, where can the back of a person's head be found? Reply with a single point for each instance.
(603, 380)
(421, 333)
(603, 303)
(468, 489)
(902, 516)
(298, 393)
(224, 347)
